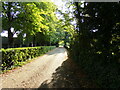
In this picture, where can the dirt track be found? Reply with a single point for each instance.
(33, 74)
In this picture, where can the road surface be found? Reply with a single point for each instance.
(33, 74)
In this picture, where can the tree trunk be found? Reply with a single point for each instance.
(10, 34)
(10, 38)
(34, 44)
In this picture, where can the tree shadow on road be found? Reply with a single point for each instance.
(68, 75)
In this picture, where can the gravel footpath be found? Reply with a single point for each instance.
(33, 74)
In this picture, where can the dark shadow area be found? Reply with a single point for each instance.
(56, 51)
(68, 75)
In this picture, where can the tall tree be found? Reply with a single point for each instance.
(28, 18)
(96, 43)
(9, 18)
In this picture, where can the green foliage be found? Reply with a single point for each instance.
(29, 18)
(13, 57)
(64, 29)
(96, 42)
(36, 20)
(40, 20)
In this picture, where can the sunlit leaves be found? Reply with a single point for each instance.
(37, 19)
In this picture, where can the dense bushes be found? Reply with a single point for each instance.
(13, 57)
(96, 43)
(105, 72)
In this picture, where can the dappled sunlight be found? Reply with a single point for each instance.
(66, 76)
(37, 71)
(84, 36)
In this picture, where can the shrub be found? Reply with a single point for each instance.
(16, 56)
(105, 72)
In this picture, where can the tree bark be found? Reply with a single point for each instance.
(10, 34)
(34, 44)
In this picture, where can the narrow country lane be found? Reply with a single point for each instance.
(33, 74)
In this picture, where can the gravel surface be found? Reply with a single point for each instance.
(33, 74)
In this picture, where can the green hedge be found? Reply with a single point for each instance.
(13, 57)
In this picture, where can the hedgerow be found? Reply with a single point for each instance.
(13, 57)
